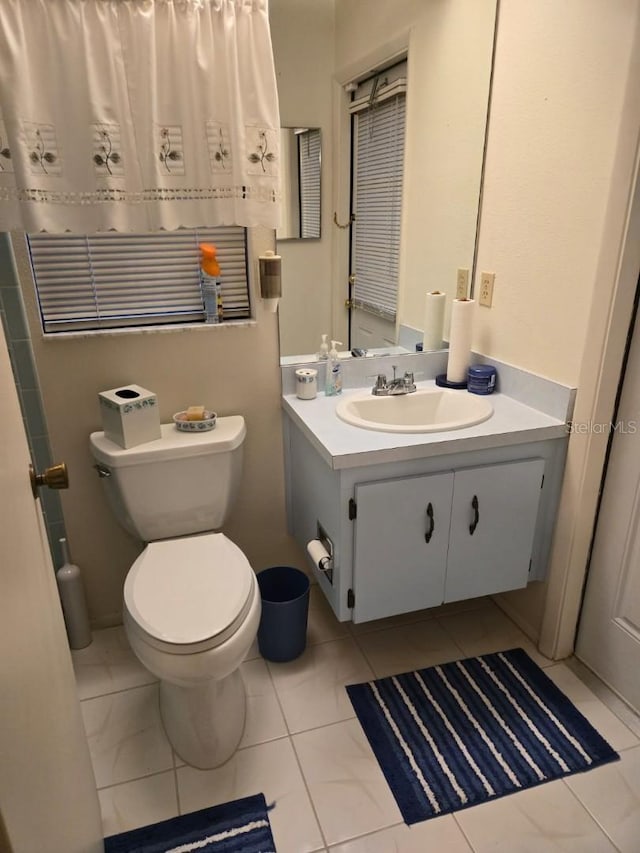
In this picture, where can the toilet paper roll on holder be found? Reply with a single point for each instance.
(320, 551)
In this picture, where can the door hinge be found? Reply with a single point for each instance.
(353, 509)
(542, 483)
(530, 564)
(351, 599)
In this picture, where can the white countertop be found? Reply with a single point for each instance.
(344, 446)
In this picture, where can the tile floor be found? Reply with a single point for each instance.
(305, 750)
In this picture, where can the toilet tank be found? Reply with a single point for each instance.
(181, 483)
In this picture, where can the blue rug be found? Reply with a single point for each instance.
(452, 736)
(241, 826)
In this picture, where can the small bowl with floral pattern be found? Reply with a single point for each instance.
(207, 423)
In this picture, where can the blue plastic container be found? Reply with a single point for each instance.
(481, 379)
(282, 635)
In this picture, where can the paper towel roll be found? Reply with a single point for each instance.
(434, 303)
(306, 383)
(460, 339)
(319, 555)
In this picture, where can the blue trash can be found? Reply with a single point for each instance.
(282, 635)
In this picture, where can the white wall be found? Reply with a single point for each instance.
(302, 35)
(557, 118)
(558, 89)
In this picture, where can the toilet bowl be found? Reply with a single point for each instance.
(191, 605)
(193, 630)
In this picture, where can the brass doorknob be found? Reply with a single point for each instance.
(55, 477)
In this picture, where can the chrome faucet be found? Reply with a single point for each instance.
(393, 387)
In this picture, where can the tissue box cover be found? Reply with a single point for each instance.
(130, 415)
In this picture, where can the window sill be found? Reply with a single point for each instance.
(148, 330)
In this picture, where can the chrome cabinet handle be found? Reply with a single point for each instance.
(476, 515)
(429, 533)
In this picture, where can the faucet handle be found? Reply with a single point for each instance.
(380, 384)
(408, 377)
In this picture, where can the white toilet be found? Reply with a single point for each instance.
(191, 599)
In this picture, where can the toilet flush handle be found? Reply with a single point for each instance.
(102, 471)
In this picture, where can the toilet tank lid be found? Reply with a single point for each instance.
(229, 433)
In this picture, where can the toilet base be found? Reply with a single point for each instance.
(204, 723)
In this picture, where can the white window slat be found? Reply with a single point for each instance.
(309, 159)
(114, 280)
(379, 133)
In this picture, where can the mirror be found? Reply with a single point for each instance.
(300, 180)
(449, 49)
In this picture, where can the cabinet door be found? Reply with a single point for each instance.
(493, 522)
(400, 547)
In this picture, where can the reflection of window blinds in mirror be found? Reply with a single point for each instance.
(379, 110)
(309, 159)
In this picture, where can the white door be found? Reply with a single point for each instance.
(48, 799)
(609, 633)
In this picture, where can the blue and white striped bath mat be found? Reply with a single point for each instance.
(241, 826)
(456, 735)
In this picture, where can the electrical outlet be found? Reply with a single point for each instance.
(462, 284)
(486, 288)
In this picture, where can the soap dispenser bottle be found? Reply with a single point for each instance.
(333, 380)
(323, 354)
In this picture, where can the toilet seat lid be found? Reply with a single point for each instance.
(188, 590)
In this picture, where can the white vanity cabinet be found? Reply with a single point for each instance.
(401, 540)
(422, 541)
(414, 533)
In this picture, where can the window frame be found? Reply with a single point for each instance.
(111, 303)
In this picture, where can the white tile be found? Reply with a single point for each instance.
(408, 647)
(438, 835)
(612, 795)
(254, 651)
(487, 630)
(108, 665)
(600, 717)
(271, 769)
(138, 803)
(264, 718)
(125, 735)
(416, 616)
(349, 792)
(311, 689)
(629, 717)
(323, 624)
(539, 820)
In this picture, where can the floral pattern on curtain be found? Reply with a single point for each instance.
(137, 115)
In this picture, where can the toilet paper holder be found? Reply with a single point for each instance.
(326, 542)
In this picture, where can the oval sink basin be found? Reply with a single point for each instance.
(431, 410)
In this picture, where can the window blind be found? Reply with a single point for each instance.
(113, 280)
(309, 159)
(379, 116)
